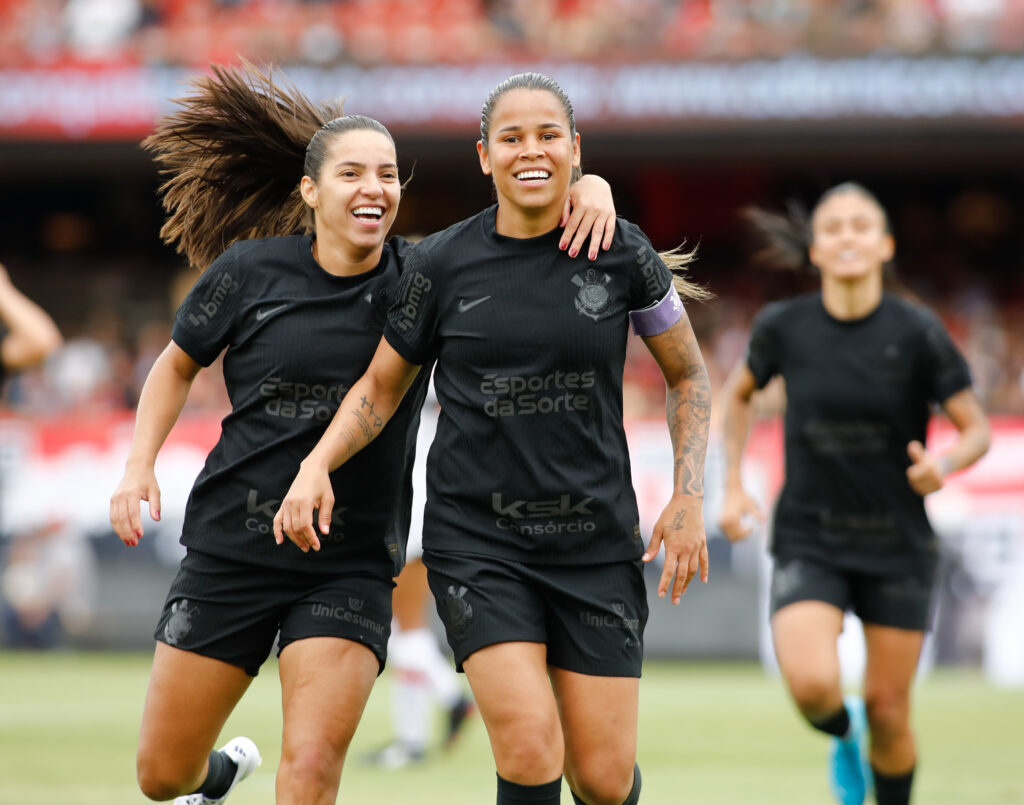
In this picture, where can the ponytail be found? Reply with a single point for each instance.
(233, 156)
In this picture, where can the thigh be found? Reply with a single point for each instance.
(354, 607)
(892, 657)
(513, 693)
(599, 721)
(325, 683)
(187, 702)
(483, 601)
(596, 615)
(805, 634)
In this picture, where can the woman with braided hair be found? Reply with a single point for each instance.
(285, 206)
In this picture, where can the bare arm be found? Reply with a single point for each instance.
(928, 472)
(688, 411)
(589, 210)
(32, 334)
(362, 415)
(163, 396)
(737, 507)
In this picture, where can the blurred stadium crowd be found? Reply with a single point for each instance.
(325, 32)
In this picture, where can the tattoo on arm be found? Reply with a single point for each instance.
(688, 411)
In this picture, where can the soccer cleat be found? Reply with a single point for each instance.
(246, 758)
(395, 755)
(457, 715)
(849, 772)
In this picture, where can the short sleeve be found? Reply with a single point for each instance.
(204, 324)
(650, 278)
(413, 318)
(763, 348)
(947, 371)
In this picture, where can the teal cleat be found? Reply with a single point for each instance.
(849, 772)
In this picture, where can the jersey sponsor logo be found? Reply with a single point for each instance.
(207, 309)
(464, 305)
(292, 400)
(262, 314)
(261, 517)
(179, 624)
(339, 613)
(417, 288)
(540, 515)
(552, 393)
(608, 620)
(593, 298)
(650, 269)
(828, 438)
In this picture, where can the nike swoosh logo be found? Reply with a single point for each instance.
(464, 305)
(262, 314)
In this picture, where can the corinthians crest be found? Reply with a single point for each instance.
(593, 298)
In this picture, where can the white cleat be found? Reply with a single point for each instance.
(246, 757)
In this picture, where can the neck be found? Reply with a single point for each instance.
(343, 259)
(848, 300)
(516, 222)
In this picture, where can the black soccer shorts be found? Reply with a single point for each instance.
(233, 612)
(591, 617)
(902, 600)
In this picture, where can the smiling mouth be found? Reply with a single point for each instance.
(369, 215)
(533, 176)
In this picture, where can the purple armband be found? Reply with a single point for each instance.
(658, 317)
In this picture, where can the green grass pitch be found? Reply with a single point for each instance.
(708, 734)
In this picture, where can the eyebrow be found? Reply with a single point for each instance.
(353, 164)
(541, 126)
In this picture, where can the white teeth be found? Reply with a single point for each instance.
(526, 175)
(376, 211)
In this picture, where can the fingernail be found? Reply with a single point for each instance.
(573, 252)
(592, 255)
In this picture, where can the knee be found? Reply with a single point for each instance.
(812, 692)
(602, 781)
(310, 767)
(161, 781)
(888, 715)
(527, 748)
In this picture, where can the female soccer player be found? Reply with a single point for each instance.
(299, 316)
(531, 534)
(861, 368)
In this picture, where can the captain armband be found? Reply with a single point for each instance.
(657, 318)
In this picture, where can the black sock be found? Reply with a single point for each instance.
(634, 793)
(219, 777)
(510, 793)
(837, 724)
(893, 789)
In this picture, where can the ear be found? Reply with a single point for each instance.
(309, 191)
(576, 153)
(485, 163)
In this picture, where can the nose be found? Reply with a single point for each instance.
(371, 186)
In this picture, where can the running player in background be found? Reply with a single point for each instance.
(532, 538)
(861, 368)
(421, 673)
(299, 312)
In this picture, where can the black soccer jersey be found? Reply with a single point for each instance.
(530, 460)
(857, 393)
(297, 338)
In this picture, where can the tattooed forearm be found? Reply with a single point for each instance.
(689, 417)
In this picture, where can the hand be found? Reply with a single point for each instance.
(681, 528)
(738, 515)
(138, 484)
(589, 210)
(310, 490)
(926, 474)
